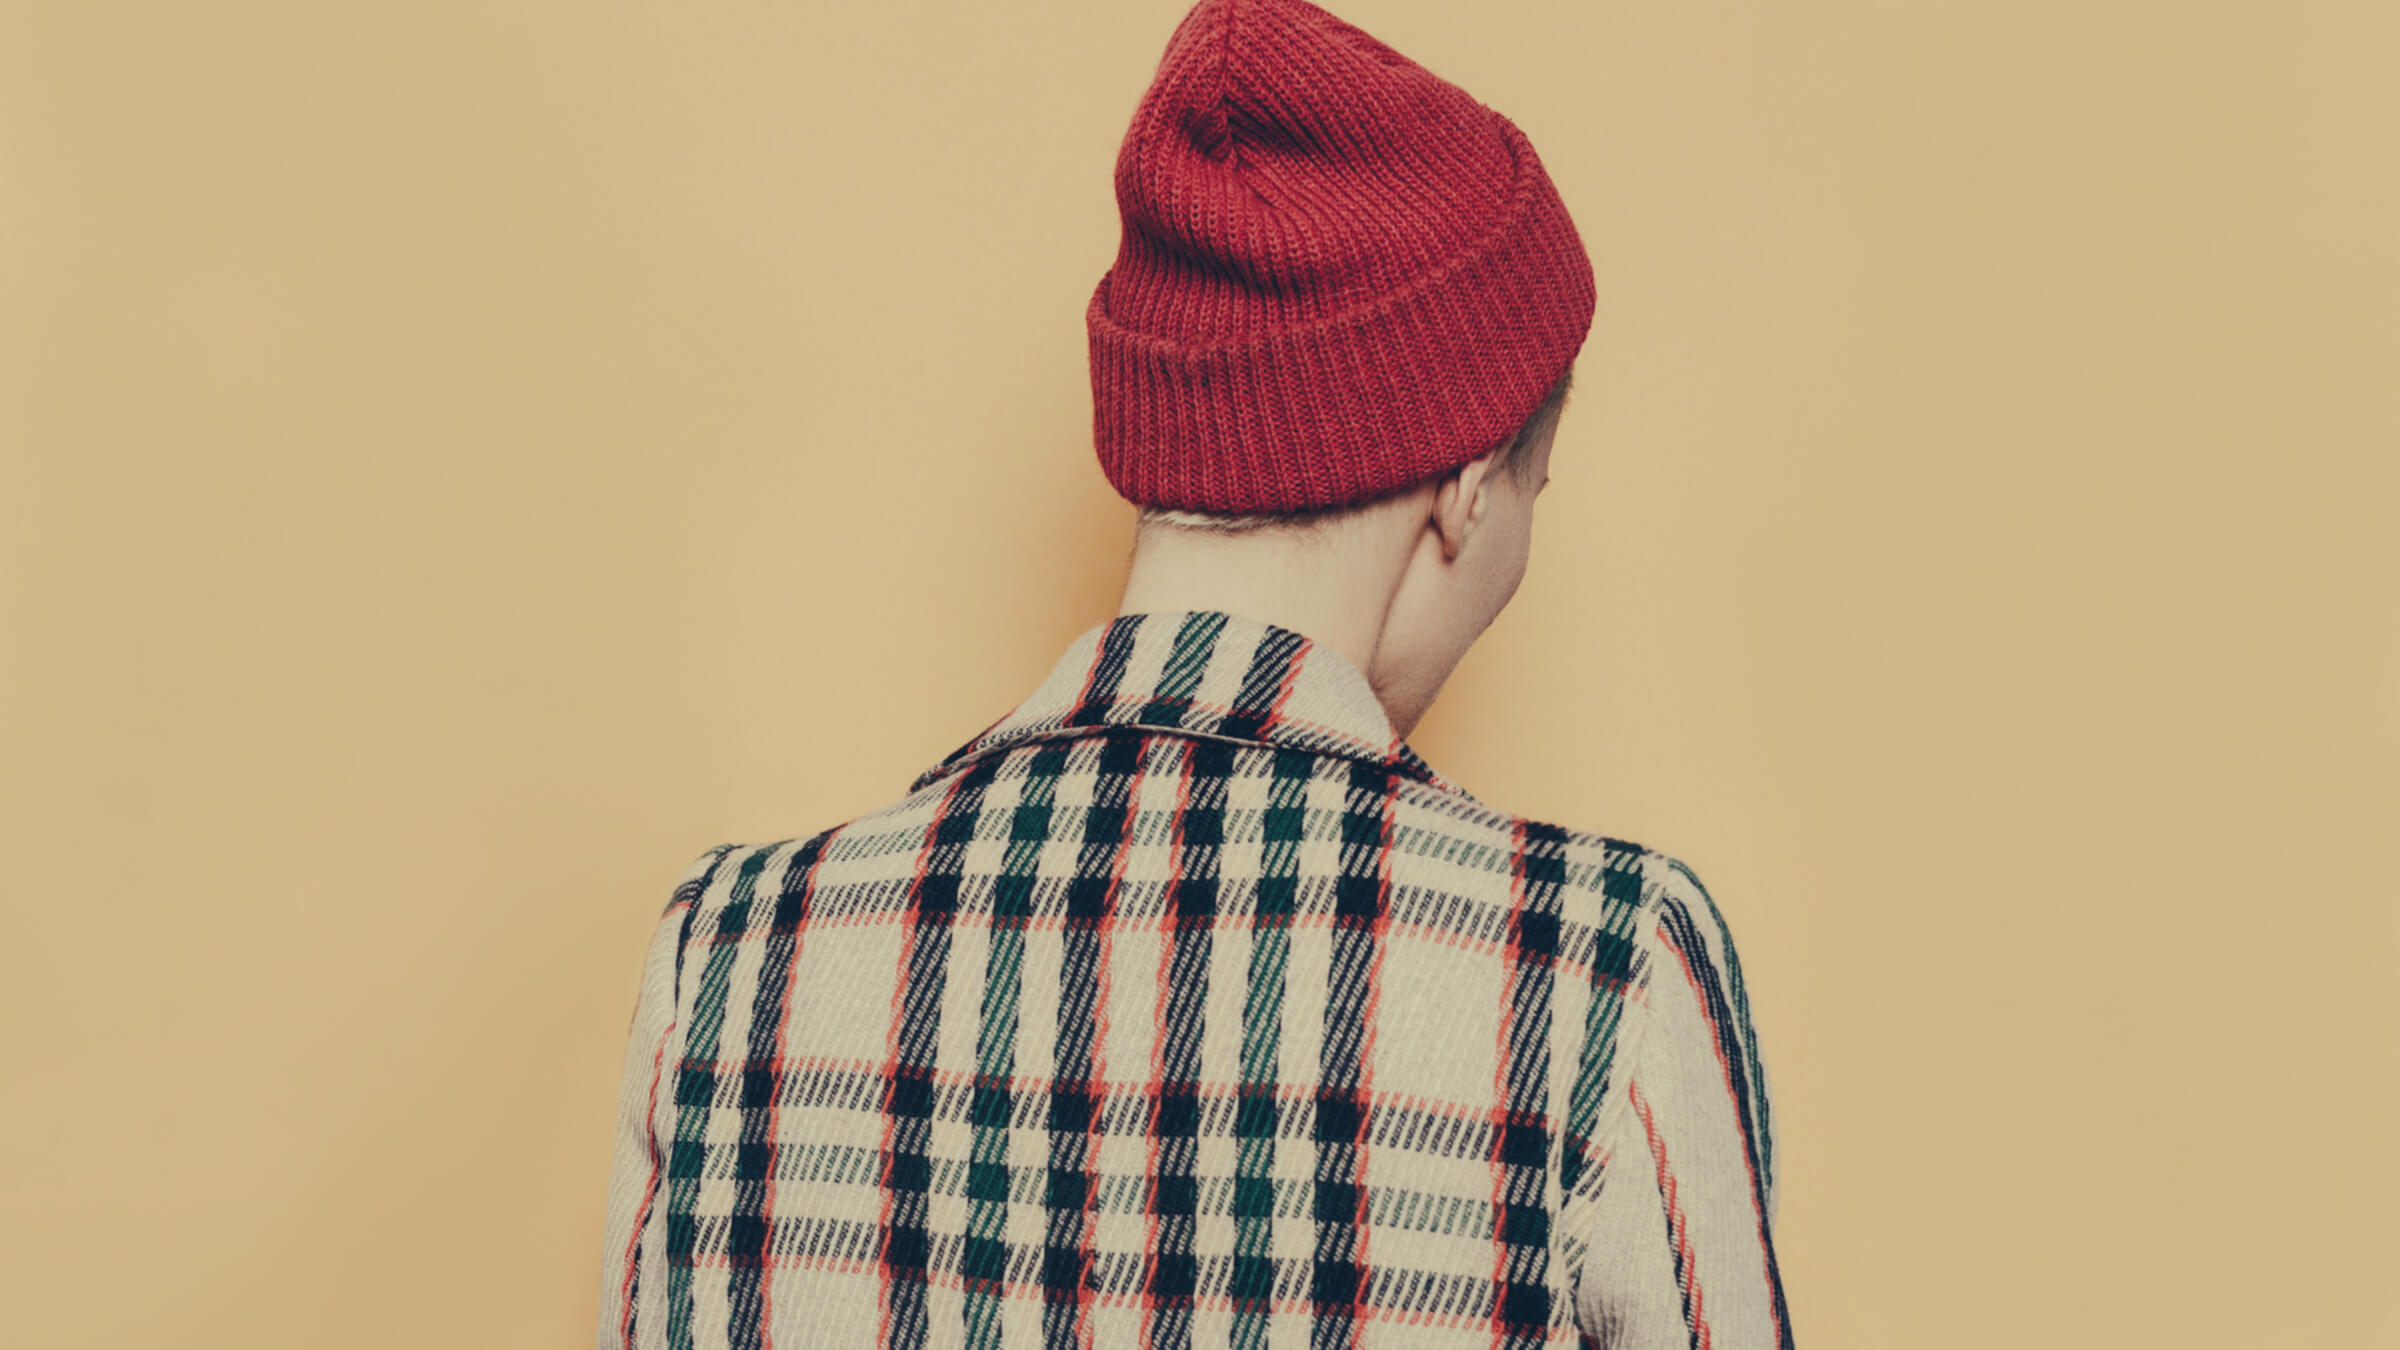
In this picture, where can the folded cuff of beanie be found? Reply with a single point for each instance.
(1357, 405)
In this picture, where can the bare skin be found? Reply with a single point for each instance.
(1401, 586)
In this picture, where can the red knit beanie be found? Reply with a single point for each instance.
(1340, 275)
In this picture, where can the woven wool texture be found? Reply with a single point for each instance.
(1339, 275)
(1187, 1006)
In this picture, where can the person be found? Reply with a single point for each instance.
(1186, 1004)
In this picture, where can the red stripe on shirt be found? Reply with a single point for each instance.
(1687, 1263)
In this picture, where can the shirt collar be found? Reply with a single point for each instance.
(1204, 673)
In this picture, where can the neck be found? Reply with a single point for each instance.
(1333, 585)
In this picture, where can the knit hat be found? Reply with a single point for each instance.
(1340, 275)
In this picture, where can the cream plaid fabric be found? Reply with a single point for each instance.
(1187, 1006)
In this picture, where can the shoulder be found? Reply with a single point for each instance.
(1693, 968)
(870, 851)
(1683, 924)
(1589, 866)
(1680, 933)
(1652, 895)
(1648, 904)
(699, 872)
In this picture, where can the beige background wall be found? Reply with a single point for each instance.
(460, 459)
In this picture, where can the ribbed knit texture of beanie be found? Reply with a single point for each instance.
(1339, 275)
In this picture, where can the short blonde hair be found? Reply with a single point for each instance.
(1517, 453)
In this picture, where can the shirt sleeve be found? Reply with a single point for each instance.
(632, 1258)
(1680, 1251)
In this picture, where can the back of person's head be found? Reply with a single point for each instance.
(1516, 458)
(1340, 277)
(1329, 359)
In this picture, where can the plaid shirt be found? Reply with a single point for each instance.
(1187, 1006)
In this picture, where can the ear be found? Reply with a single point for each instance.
(1459, 502)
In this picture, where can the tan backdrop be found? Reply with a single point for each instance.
(463, 458)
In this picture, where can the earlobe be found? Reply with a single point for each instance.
(1460, 504)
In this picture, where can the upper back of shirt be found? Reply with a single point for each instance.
(1184, 1005)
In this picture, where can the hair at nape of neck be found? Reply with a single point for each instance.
(1517, 453)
